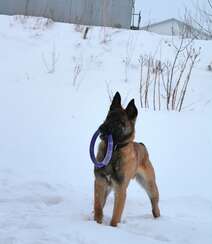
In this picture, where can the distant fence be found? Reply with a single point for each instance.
(113, 13)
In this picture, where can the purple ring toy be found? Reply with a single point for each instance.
(109, 152)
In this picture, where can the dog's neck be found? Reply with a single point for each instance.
(120, 145)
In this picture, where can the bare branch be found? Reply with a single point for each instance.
(210, 3)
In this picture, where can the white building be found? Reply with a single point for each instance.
(174, 27)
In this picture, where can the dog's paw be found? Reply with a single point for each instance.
(156, 212)
(98, 215)
(113, 223)
(98, 219)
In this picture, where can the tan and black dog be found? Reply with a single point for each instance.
(129, 160)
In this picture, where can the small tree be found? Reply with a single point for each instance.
(164, 83)
(201, 19)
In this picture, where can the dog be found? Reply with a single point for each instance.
(129, 160)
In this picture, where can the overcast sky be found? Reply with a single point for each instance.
(156, 10)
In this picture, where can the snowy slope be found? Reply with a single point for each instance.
(48, 115)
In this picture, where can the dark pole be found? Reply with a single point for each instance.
(139, 20)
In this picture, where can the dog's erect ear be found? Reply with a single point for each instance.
(116, 103)
(131, 110)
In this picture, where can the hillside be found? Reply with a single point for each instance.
(53, 96)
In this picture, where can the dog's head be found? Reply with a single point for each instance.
(119, 122)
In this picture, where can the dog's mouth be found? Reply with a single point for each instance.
(104, 132)
(103, 136)
(118, 132)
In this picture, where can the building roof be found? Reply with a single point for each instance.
(179, 22)
(165, 21)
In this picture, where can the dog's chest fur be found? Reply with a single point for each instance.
(113, 171)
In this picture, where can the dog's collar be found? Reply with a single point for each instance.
(120, 145)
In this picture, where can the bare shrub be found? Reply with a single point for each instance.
(109, 91)
(210, 67)
(150, 79)
(77, 71)
(200, 17)
(33, 23)
(163, 84)
(50, 64)
(79, 28)
(105, 36)
(130, 47)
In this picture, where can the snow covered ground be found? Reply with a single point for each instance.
(53, 95)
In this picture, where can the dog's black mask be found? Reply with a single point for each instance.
(119, 122)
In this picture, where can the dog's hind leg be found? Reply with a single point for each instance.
(146, 178)
(101, 191)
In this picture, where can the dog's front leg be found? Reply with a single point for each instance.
(120, 197)
(100, 194)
